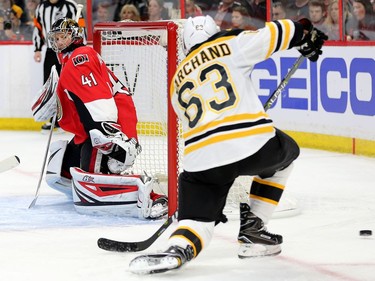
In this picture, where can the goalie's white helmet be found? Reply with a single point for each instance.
(198, 30)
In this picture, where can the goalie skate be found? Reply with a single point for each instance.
(173, 258)
(159, 207)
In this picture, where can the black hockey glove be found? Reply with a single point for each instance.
(311, 44)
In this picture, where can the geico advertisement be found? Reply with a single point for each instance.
(335, 95)
(332, 96)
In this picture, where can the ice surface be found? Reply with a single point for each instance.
(336, 193)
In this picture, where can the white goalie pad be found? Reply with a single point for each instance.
(53, 174)
(45, 105)
(121, 195)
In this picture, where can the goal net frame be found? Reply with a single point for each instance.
(170, 28)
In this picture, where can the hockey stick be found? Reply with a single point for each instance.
(44, 162)
(118, 246)
(9, 163)
(79, 10)
(283, 83)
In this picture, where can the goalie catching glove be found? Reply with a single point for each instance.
(311, 44)
(120, 150)
(45, 106)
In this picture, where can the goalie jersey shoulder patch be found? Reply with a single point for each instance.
(80, 59)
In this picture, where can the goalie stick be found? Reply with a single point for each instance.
(44, 163)
(9, 163)
(119, 246)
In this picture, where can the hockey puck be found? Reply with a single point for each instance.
(365, 232)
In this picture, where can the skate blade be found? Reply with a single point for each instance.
(258, 250)
(150, 265)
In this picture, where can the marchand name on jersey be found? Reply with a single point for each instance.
(205, 55)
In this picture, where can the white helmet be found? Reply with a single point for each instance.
(198, 30)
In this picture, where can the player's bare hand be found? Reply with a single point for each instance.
(38, 56)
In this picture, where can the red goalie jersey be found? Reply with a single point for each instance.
(89, 93)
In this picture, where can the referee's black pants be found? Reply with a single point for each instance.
(50, 60)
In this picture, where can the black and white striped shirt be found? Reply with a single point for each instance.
(46, 14)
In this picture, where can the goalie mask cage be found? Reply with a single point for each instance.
(144, 56)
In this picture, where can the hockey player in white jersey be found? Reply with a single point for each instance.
(227, 134)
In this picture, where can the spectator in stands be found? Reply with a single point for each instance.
(241, 19)
(157, 11)
(141, 6)
(19, 31)
(297, 9)
(192, 9)
(222, 13)
(22, 5)
(130, 12)
(6, 6)
(362, 26)
(257, 10)
(205, 5)
(326, 4)
(4, 24)
(331, 24)
(317, 13)
(102, 13)
(30, 11)
(278, 11)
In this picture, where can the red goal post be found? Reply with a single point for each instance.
(144, 56)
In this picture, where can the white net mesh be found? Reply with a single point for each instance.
(139, 59)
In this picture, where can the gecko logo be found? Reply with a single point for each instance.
(80, 59)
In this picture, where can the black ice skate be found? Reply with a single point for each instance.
(255, 240)
(172, 258)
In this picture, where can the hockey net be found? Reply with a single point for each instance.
(144, 56)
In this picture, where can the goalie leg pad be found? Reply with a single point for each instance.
(99, 194)
(53, 175)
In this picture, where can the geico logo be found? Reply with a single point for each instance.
(333, 84)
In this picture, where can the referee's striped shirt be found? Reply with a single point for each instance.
(46, 14)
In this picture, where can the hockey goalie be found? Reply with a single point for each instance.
(93, 105)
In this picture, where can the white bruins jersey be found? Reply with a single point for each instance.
(223, 120)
